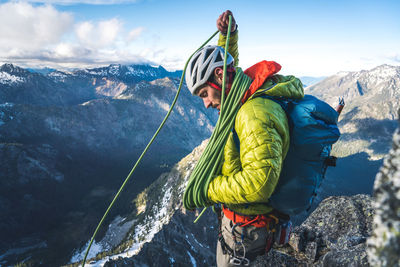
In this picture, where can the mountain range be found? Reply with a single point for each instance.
(69, 138)
(67, 141)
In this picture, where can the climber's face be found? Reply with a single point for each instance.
(211, 97)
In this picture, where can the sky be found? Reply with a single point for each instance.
(308, 38)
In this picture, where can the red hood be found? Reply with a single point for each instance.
(259, 73)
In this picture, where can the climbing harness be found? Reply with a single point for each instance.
(144, 152)
(278, 227)
(260, 221)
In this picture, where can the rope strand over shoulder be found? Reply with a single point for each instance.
(210, 162)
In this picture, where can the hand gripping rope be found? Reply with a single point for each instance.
(221, 124)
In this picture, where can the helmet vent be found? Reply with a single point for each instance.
(194, 80)
(219, 58)
(208, 53)
(203, 72)
(194, 61)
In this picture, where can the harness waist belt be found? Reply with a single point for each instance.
(260, 221)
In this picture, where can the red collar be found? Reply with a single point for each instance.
(259, 73)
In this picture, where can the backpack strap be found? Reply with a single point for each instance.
(285, 103)
(236, 138)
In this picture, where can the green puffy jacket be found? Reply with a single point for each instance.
(249, 178)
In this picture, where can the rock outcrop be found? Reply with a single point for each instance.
(384, 244)
(334, 234)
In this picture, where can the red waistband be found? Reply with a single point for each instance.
(260, 221)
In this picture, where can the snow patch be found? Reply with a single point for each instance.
(143, 232)
(6, 105)
(194, 264)
(6, 78)
(2, 114)
(18, 251)
(114, 235)
(53, 125)
(114, 70)
(138, 72)
(161, 104)
(58, 76)
(384, 71)
(343, 73)
(198, 243)
(97, 73)
(180, 110)
(1, 117)
(94, 250)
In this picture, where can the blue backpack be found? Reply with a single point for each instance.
(313, 130)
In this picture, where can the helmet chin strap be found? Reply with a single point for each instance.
(231, 74)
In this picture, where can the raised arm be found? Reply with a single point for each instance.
(222, 25)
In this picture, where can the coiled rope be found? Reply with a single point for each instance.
(144, 151)
(210, 162)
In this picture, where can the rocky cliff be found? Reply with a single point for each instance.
(334, 234)
(384, 244)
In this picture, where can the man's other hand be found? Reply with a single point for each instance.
(223, 22)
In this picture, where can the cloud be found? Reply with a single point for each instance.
(41, 35)
(394, 57)
(89, 2)
(99, 35)
(135, 33)
(24, 27)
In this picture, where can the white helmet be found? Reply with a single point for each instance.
(202, 65)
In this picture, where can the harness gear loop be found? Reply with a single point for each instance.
(277, 224)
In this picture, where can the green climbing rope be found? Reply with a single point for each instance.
(210, 162)
(143, 153)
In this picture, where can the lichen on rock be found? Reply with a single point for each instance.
(384, 244)
(334, 234)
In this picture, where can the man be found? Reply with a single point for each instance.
(254, 152)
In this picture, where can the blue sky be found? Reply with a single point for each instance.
(314, 38)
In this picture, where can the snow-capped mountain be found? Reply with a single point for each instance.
(67, 141)
(18, 85)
